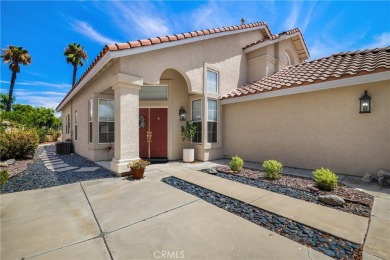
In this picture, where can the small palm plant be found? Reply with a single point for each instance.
(14, 55)
(75, 55)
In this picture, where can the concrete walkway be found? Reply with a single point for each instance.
(338, 223)
(121, 219)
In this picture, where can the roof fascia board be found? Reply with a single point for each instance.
(127, 52)
(105, 59)
(268, 42)
(380, 76)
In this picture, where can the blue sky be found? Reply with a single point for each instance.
(46, 27)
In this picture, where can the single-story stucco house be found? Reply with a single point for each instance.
(249, 92)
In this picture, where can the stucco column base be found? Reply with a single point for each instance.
(120, 166)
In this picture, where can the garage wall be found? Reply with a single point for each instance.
(310, 130)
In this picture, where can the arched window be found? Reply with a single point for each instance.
(288, 60)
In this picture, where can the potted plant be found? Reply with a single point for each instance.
(187, 134)
(137, 168)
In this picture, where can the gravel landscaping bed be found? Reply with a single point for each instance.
(357, 202)
(37, 176)
(17, 167)
(315, 239)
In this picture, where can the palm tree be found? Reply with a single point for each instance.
(4, 101)
(15, 56)
(75, 54)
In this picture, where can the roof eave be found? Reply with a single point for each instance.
(127, 52)
(343, 82)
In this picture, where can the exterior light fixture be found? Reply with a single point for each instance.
(182, 114)
(365, 103)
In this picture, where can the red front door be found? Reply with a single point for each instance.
(153, 130)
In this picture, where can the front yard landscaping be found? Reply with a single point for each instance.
(356, 202)
(33, 174)
(310, 237)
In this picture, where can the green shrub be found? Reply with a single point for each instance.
(55, 133)
(3, 177)
(236, 163)
(272, 169)
(42, 132)
(325, 179)
(18, 143)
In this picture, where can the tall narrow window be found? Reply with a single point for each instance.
(90, 116)
(106, 120)
(75, 125)
(67, 124)
(212, 81)
(211, 121)
(197, 119)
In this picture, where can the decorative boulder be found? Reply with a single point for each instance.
(313, 189)
(384, 178)
(331, 200)
(367, 178)
(212, 171)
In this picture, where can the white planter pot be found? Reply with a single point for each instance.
(188, 155)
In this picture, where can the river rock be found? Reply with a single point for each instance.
(313, 189)
(331, 200)
(212, 171)
(384, 178)
(367, 178)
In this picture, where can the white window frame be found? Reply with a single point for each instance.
(207, 81)
(75, 125)
(158, 99)
(288, 60)
(67, 124)
(90, 121)
(98, 124)
(207, 121)
(201, 119)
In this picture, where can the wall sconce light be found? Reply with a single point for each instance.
(365, 103)
(182, 114)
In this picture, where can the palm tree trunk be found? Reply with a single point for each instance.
(74, 75)
(11, 90)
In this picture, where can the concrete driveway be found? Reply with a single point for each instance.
(121, 219)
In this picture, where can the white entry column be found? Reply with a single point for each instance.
(126, 95)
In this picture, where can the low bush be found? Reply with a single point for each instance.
(236, 163)
(42, 135)
(272, 169)
(18, 143)
(55, 133)
(3, 177)
(325, 179)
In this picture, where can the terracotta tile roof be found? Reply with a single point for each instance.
(337, 66)
(274, 37)
(160, 40)
(277, 36)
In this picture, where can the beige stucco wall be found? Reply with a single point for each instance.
(314, 129)
(224, 53)
(265, 61)
(94, 151)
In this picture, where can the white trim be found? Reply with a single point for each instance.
(207, 80)
(380, 76)
(120, 53)
(98, 116)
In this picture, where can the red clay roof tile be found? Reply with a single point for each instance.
(336, 66)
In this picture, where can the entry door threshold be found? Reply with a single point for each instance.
(157, 160)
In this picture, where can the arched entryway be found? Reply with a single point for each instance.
(159, 127)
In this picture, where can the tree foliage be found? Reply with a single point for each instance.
(14, 56)
(75, 55)
(32, 117)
